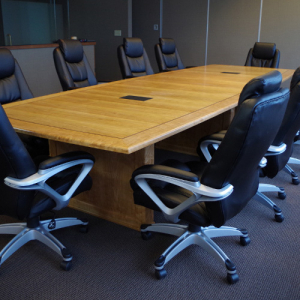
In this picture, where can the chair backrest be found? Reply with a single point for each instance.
(15, 162)
(288, 129)
(260, 85)
(72, 66)
(236, 161)
(263, 55)
(167, 55)
(13, 85)
(133, 58)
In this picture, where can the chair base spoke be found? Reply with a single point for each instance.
(201, 238)
(24, 234)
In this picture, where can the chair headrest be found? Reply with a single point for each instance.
(261, 85)
(264, 50)
(7, 63)
(295, 79)
(167, 45)
(72, 50)
(133, 47)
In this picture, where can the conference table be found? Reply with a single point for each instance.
(122, 122)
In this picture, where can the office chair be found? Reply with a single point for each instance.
(286, 135)
(28, 191)
(263, 55)
(133, 58)
(167, 55)
(279, 154)
(208, 145)
(72, 66)
(13, 87)
(206, 195)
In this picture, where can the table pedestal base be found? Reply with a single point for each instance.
(111, 195)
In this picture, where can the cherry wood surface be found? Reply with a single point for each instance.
(121, 133)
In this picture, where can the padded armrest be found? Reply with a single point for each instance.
(263, 162)
(50, 168)
(218, 136)
(184, 179)
(276, 150)
(166, 171)
(64, 158)
(215, 140)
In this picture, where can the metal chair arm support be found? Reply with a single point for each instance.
(200, 193)
(276, 150)
(37, 181)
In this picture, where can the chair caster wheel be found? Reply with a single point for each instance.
(84, 228)
(295, 181)
(160, 274)
(232, 278)
(279, 218)
(66, 265)
(244, 240)
(282, 195)
(146, 235)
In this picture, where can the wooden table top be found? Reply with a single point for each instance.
(98, 117)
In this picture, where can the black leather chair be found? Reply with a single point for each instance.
(263, 55)
(133, 59)
(279, 154)
(72, 66)
(208, 145)
(286, 135)
(206, 195)
(167, 55)
(27, 191)
(13, 86)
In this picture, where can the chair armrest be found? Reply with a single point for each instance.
(64, 158)
(263, 162)
(167, 171)
(276, 150)
(204, 147)
(216, 139)
(182, 179)
(52, 167)
(213, 140)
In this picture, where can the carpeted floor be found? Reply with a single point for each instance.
(113, 262)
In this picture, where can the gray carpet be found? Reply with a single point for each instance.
(113, 262)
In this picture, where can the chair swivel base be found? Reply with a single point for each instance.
(201, 237)
(263, 199)
(41, 233)
(289, 170)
